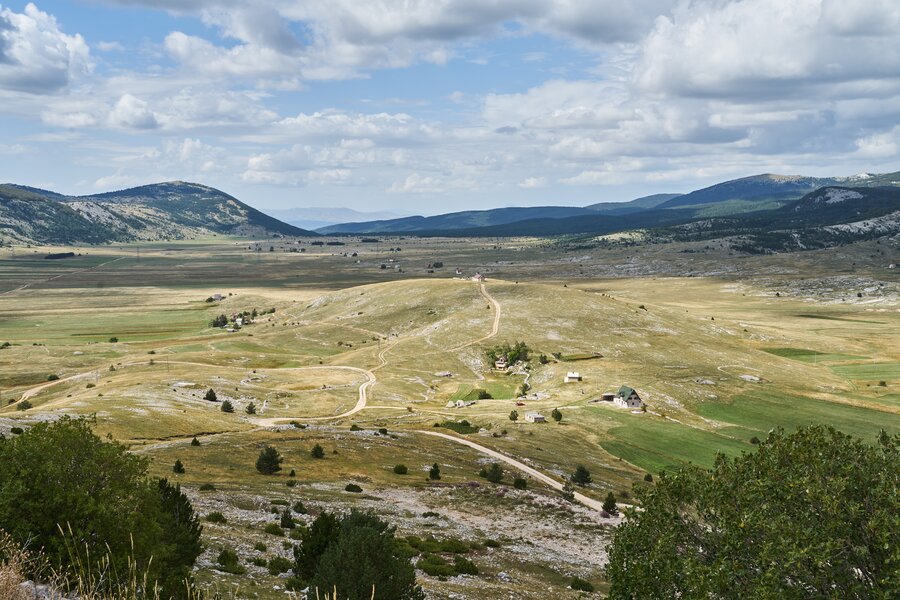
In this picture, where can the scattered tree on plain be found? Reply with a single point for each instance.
(269, 461)
(581, 476)
(556, 415)
(317, 451)
(211, 395)
(434, 473)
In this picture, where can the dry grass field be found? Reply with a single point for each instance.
(356, 358)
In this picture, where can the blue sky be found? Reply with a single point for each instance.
(439, 105)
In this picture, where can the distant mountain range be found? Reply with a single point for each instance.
(171, 210)
(749, 194)
(318, 217)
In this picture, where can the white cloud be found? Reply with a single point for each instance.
(36, 57)
(531, 183)
(132, 113)
(417, 184)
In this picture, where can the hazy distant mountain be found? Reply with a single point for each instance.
(171, 210)
(318, 217)
(738, 196)
(460, 220)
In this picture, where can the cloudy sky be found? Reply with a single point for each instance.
(436, 105)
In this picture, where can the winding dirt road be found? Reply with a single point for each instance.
(589, 502)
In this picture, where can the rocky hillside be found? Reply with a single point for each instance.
(171, 210)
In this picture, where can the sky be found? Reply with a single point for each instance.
(431, 106)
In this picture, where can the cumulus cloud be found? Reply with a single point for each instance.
(36, 57)
(132, 113)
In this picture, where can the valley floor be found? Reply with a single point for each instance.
(366, 361)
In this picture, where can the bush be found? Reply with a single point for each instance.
(24, 405)
(556, 415)
(581, 585)
(299, 508)
(291, 483)
(514, 415)
(543, 359)
(259, 561)
(210, 395)
(52, 377)
(278, 565)
(317, 451)
(383, 431)
(207, 487)
(490, 543)
(352, 487)
(464, 566)
(287, 520)
(227, 407)
(216, 517)
(520, 483)
(401, 469)
(484, 395)
(228, 562)
(494, 473)
(251, 409)
(269, 461)
(195, 442)
(461, 427)
(90, 386)
(581, 476)
(113, 340)
(609, 504)
(355, 427)
(648, 478)
(178, 467)
(16, 430)
(274, 529)
(434, 473)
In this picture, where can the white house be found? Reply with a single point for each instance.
(534, 417)
(217, 297)
(626, 397)
(477, 277)
(501, 364)
(573, 377)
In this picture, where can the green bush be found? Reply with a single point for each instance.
(401, 469)
(461, 427)
(207, 487)
(178, 467)
(581, 585)
(195, 442)
(227, 407)
(216, 517)
(24, 405)
(299, 508)
(269, 461)
(259, 561)
(210, 395)
(278, 565)
(464, 566)
(274, 529)
(434, 473)
(259, 546)
(352, 487)
(227, 562)
(453, 546)
(287, 520)
(317, 451)
(16, 430)
(52, 377)
(520, 483)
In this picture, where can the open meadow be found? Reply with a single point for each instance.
(365, 350)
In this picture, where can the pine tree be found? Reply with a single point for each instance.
(435, 472)
(178, 467)
(227, 407)
(195, 441)
(269, 461)
(211, 395)
(494, 473)
(317, 451)
(514, 415)
(251, 409)
(609, 505)
(556, 414)
(287, 521)
(581, 476)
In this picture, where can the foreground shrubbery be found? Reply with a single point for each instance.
(61, 477)
(814, 514)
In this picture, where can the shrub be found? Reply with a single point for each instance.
(430, 513)
(210, 395)
(278, 565)
(195, 442)
(490, 543)
(461, 427)
(464, 566)
(580, 584)
(52, 377)
(754, 440)
(609, 504)
(259, 546)
(484, 395)
(227, 407)
(648, 478)
(251, 409)
(216, 517)
(434, 473)
(352, 487)
(274, 529)
(494, 473)
(383, 431)
(90, 386)
(287, 521)
(317, 451)
(355, 427)
(453, 546)
(269, 461)
(514, 415)
(16, 431)
(178, 467)
(291, 483)
(401, 469)
(581, 476)
(259, 561)
(207, 487)
(556, 415)
(293, 473)
(543, 359)
(520, 483)
(228, 562)
(299, 508)
(24, 405)
(113, 340)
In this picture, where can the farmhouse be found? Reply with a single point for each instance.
(573, 377)
(626, 397)
(501, 363)
(534, 417)
(477, 277)
(217, 297)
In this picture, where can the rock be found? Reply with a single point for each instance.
(751, 378)
(36, 590)
(504, 576)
